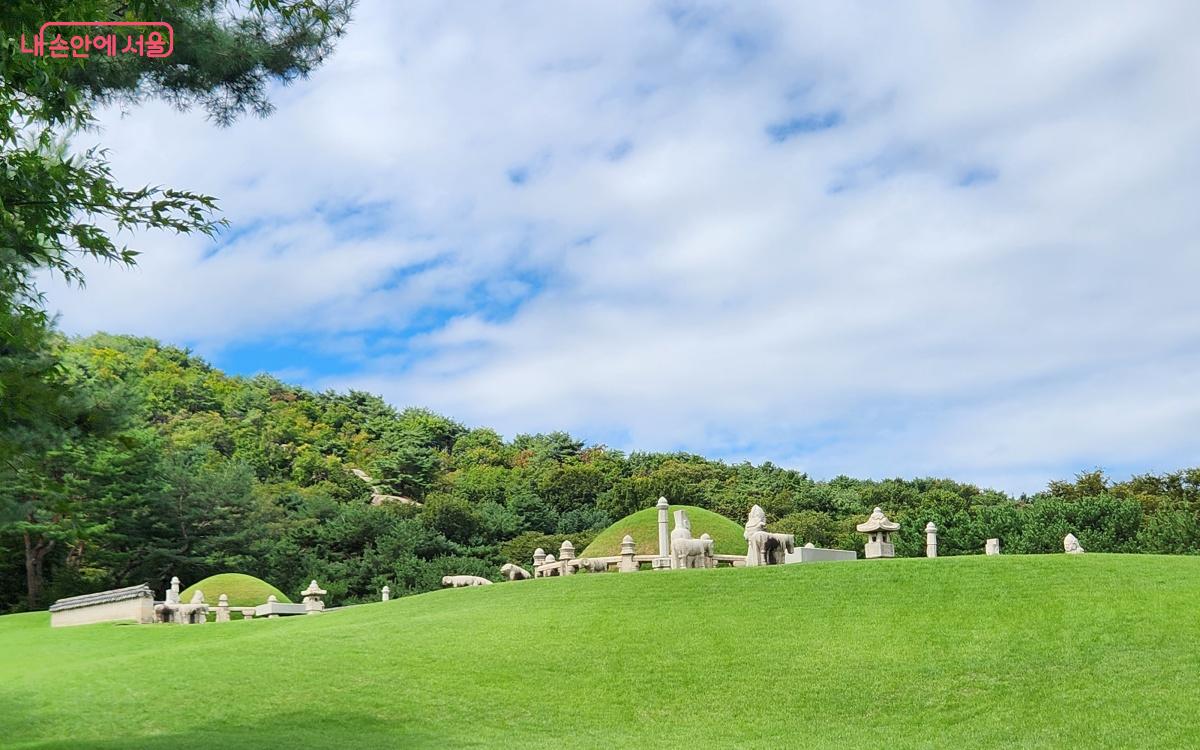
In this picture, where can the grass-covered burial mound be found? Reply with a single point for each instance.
(643, 527)
(242, 590)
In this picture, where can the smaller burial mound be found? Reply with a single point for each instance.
(643, 527)
(242, 590)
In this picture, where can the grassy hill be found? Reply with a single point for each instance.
(243, 590)
(1015, 651)
(643, 527)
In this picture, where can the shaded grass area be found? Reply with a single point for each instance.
(1012, 651)
(643, 527)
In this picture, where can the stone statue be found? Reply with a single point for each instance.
(514, 572)
(460, 581)
(591, 566)
(687, 552)
(762, 546)
(194, 612)
(1071, 545)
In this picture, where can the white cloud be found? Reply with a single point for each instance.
(670, 276)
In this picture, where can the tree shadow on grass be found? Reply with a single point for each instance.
(334, 730)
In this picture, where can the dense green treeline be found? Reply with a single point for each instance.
(160, 465)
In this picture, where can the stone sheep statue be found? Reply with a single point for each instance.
(764, 547)
(687, 552)
(514, 572)
(460, 581)
(591, 566)
(692, 553)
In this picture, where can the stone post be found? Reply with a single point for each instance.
(539, 559)
(222, 608)
(664, 536)
(628, 565)
(173, 593)
(566, 553)
(992, 547)
(387, 593)
(313, 605)
(271, 600)
(931, 539)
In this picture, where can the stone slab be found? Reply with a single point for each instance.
(819, 554)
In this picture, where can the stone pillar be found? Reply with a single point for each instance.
(387, 593)
(566, 553)
(313, 605)
(173, 593)
(664, 536)
(222, 608)
(272, 599)
(539, 558)
(992, 547)
(931, 539)
(628, 565)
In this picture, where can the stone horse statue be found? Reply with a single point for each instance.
(687, 552)
(764, 547)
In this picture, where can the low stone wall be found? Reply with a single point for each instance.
(132, 604)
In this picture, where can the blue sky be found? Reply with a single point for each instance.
(952, 239)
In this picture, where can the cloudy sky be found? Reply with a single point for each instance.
(946, 239)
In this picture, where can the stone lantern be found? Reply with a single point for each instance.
(312, 599)
(879, 535)
(627, 565)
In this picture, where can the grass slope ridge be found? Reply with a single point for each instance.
(243, 590)
(643, 527)
(989, 652)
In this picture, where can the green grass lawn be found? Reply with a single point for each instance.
(1015, 651)
(643, 527)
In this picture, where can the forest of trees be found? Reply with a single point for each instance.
(167, 466)
(123, 460)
